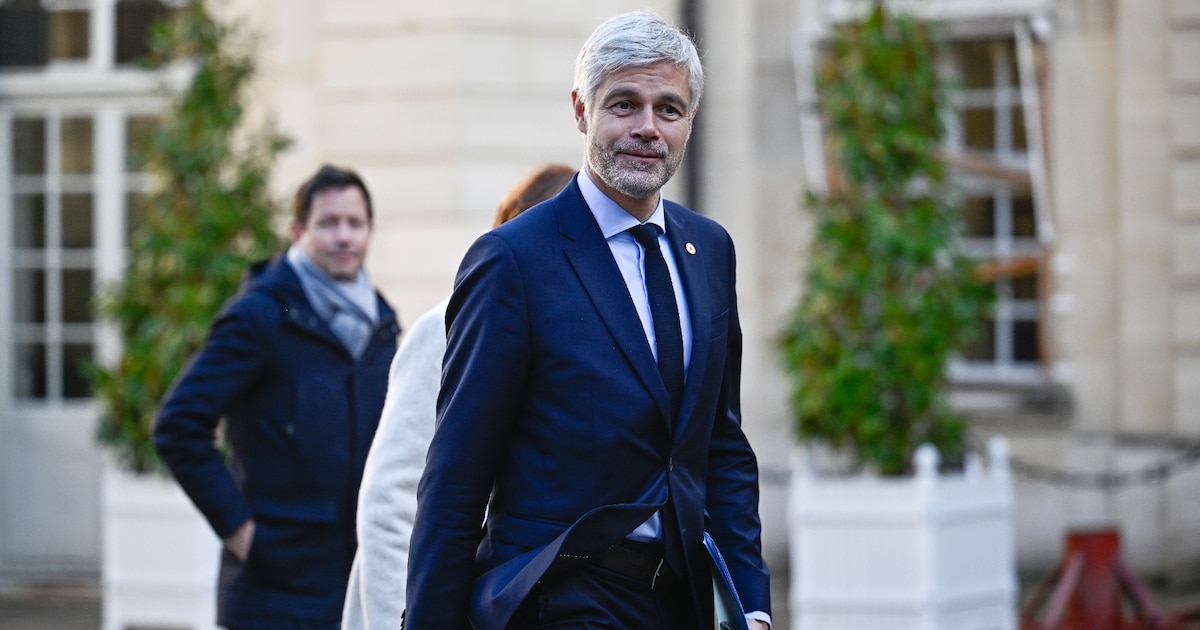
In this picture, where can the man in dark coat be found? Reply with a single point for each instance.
(297, 366)
(590, 397)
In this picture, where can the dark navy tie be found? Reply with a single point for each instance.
(664, 311)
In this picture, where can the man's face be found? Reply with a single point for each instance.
(336, 233)
(637, 128)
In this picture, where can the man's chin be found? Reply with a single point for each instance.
(639, 190)
(641, 183)
(343, 274)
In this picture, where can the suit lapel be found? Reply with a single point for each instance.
(593, 263)
(690, 260)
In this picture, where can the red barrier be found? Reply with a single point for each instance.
(1092, 589)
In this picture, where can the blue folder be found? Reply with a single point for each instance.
(730, 615)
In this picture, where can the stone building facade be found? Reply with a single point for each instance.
(1076, 141)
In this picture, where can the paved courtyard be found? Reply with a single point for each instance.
(79, 607)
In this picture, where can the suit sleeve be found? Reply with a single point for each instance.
(732, 488)
(483, 376)
(388, 496)
(185, 431)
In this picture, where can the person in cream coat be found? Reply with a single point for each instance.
(387, 502)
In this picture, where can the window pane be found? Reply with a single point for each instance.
(22, 33)
(29, 377)
(29, 221)
(138, 131)
(979, 215)
(77, 221)
(1008, 51)
(29, 296)
(77, 295)
(975, 59)
(979, 127)
(1024, 221)
(1025, 342)
(69, 34)
(1025, 287)
(75, 384)
(29, 146)
(77, 145)
(1018, 140)
(133, 214)
(135, 19)
(984, 347)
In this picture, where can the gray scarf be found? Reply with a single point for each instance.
(350, 308)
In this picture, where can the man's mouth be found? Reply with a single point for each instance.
(642, 155)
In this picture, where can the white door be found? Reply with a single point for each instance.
(72, 104)
(49, 469)
(67, 181)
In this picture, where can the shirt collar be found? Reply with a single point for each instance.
(612, 218)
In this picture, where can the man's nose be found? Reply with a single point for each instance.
(645, 125)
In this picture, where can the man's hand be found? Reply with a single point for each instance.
(238, 543)
(759, 625)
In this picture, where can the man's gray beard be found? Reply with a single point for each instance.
(630, 181)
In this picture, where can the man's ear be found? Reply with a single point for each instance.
(580, 111)
(295, 228)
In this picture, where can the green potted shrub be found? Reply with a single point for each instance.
(887, 300)
(207, 216)
(887, 297)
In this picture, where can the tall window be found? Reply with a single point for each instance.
(68, 173)
(54, 224)
(989, 143)
(53, 240)
(994, 144)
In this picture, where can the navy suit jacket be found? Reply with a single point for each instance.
(553, 416)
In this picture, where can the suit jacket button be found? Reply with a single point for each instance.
(670, 464)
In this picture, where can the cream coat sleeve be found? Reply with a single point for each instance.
(387, 499)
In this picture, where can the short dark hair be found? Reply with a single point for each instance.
(328, 177)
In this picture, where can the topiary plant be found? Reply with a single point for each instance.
(207, 216)
(888, 299)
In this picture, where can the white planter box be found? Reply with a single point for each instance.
(927, 552)
(160, 556)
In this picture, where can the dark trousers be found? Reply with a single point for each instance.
(589, 596)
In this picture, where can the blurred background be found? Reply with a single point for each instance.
(1073, 135)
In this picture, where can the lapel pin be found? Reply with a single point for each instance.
(691, 249)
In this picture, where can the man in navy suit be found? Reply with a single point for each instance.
(600, 443)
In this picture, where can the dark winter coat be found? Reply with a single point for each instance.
(300, 414)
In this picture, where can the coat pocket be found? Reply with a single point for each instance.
(297, 548)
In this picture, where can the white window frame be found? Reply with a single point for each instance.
(1020, 20)
(109, 94)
